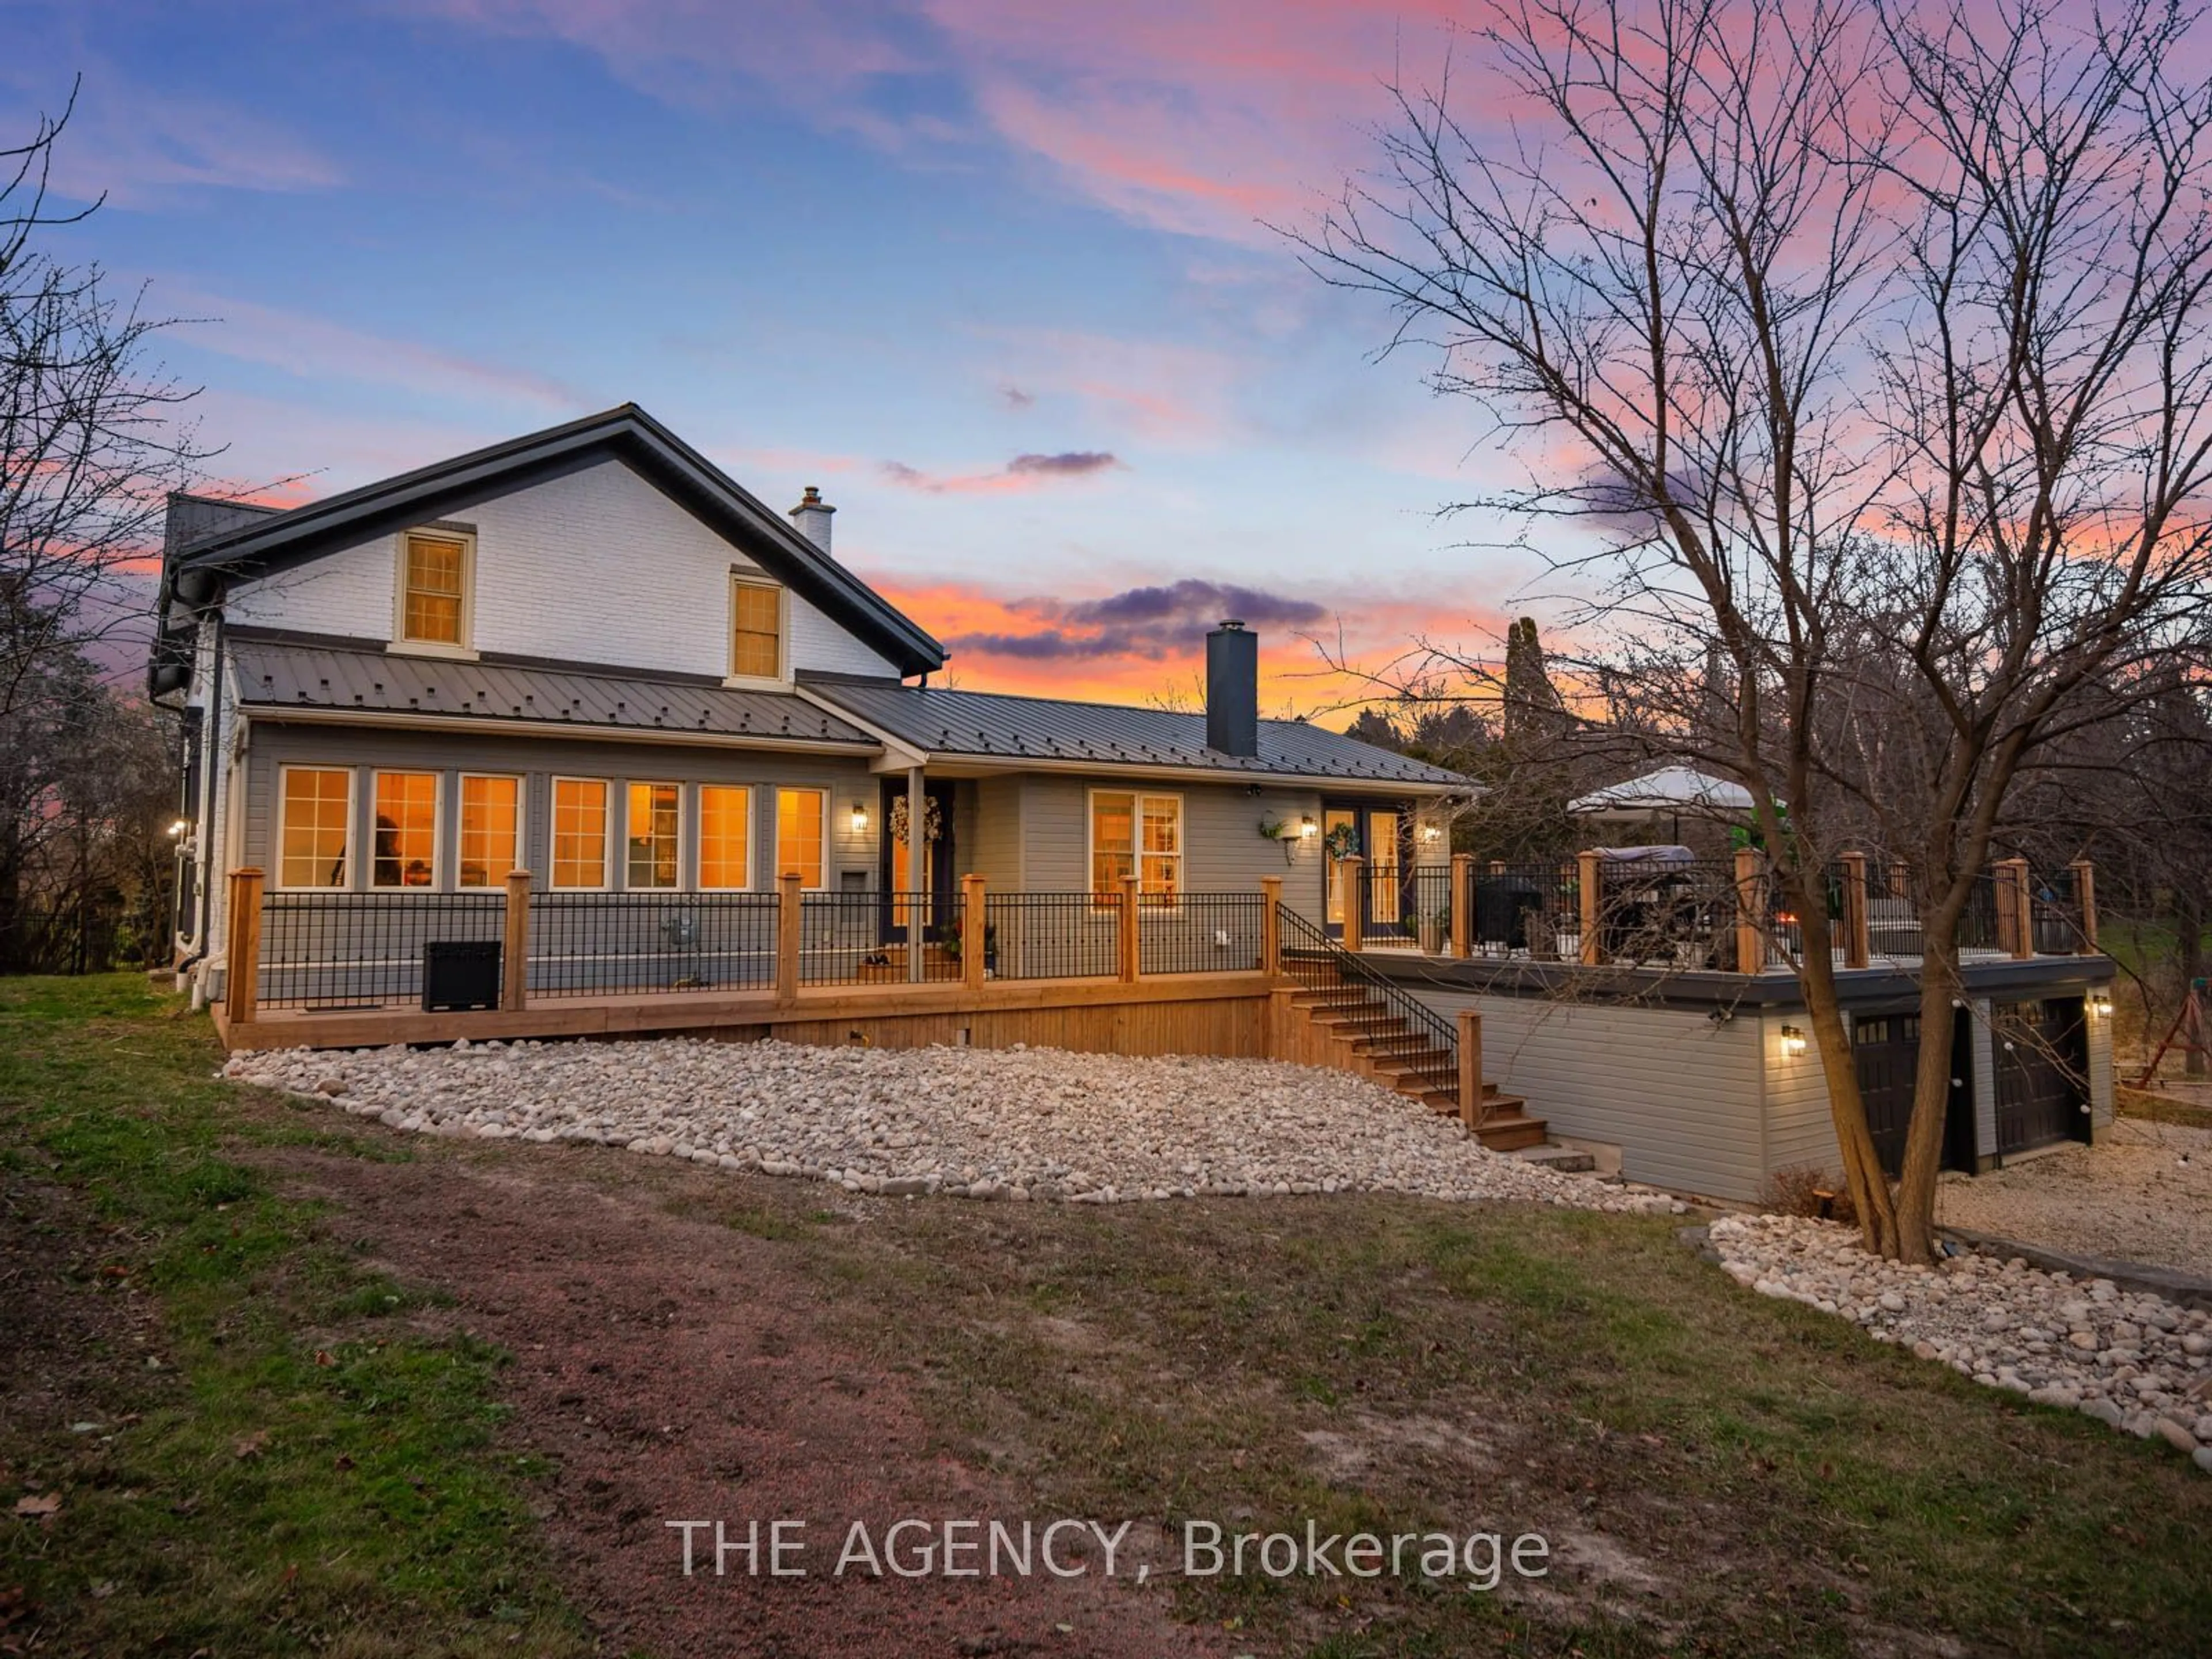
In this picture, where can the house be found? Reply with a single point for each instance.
(590, 655)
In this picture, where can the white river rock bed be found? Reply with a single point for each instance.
(1012, 1123)
(2137, 1362)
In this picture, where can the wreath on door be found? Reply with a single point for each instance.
(933, 820)
(1342, 841)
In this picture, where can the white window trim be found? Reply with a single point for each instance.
(522, 826)
(438, 870)
(607, 841)
(775, 834)
(781, 679)
(750, 842)
(1138, 797)
(682, 845)
(352, 828)
(400, 645)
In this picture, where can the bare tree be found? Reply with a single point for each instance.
(1862, 347)
(90, 443)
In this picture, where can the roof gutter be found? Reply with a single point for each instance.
(313, 715)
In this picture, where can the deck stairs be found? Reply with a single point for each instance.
(1365, 1026)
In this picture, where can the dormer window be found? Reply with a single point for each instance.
(434, 572)
(756, 614)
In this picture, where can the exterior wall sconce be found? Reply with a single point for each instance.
(1307, 827)
(1431, 831)
(2100, 1005)
(859, 817)
(1793, 1042)
(179, 827)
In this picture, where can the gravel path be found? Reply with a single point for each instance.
(2138, 1363)
(1017, 1124)
(2143, 1194)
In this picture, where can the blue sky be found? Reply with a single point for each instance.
(886, 249)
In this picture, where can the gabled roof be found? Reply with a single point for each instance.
(1670, 788)
(1032, 731)
(254, 545)
(361, 680)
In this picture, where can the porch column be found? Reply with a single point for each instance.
(917, 868)
(1462, 903)
(2085, 900)
(1470, 1067)
(1351, 876)
(514, 950)
(1750, 912)
(1857, 940)
(2015, 911)
(975, 932)
(1132, 942)
(789, 899)
(1271, 926)
(241, 986)
(1589, 886)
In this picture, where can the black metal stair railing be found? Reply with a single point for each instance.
(1426, 1032)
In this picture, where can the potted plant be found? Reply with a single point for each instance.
(1432, 927)
(949, 941)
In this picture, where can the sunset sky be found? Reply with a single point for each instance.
(995, 274)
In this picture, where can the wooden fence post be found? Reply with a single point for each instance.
(2015, 908)
(1463, 904)
(241, 985)
(1351, 885)
(1750, 912)
(1590, 887)
(1132, 942)
(1271, 926)
(2085, 900)
(515, 953)
(1470, 1067)
(1858, 942)
(974, 931)
(790, 901)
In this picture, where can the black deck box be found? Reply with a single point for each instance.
(460, 973)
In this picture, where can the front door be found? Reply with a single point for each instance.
(917, 889)
(1379, 835)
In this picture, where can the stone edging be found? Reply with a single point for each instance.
(2184, 1289)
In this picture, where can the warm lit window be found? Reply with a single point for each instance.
(800, 817)
(406, 839)
(434, 591)
(314, 819)
(1136, 835)
(725, 827)
(491, 830)
(652, 836)
(756, 630)
(579, 832)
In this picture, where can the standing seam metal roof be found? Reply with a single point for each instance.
(273, 674)
(943, 721)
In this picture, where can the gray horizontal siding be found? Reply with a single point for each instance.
(1677, 1094)
(1223, 851)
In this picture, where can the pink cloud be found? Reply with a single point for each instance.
(1022, 473)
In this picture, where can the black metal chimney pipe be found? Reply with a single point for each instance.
(1232, 691)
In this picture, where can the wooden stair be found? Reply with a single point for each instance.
(1358, 1032)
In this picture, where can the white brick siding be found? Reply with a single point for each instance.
(596, 567)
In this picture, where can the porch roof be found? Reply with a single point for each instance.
(338, 679)
(1017, 732)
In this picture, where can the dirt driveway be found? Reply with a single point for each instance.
(671, 1367)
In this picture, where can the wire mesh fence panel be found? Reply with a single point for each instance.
(1669, 913)
(1201, 933)
(336, 951)
(1531, 910)
(602, 943)
(1053, 935)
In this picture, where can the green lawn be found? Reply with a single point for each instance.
(1717, 1472)
(267, 1468)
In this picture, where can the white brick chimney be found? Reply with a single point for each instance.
(811, 516)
